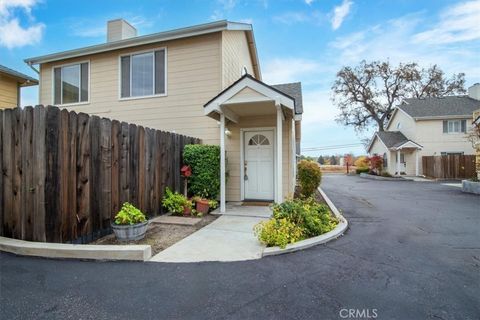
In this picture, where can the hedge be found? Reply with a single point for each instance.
(205, 163)
(362, 170)
(309, 177)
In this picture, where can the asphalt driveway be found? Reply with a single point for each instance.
(412, 252)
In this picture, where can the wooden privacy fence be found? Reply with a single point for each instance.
(65, 175)
(449, 167)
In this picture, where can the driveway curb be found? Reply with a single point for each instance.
(76, 251)
(380, 178)
(307, 243)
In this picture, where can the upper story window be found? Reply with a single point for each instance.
(454, 126)
(71, 84)
(143, 74)
(399, 125)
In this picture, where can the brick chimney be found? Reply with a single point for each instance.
(120, 29)
(474, 91)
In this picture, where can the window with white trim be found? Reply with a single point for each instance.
(70, 84)
(454, 126)
(143, 74)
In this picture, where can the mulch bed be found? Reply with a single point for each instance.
(161, 236)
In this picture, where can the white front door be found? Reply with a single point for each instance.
(258, 164)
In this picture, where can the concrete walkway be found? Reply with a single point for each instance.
(229, 238)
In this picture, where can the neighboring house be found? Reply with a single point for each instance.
(476, 123)
(202, 81)
(11, 82)
(425, 127)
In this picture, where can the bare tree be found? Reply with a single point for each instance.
(368, 93)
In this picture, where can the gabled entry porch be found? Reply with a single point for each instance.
(257, 141)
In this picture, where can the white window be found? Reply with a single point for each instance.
(454, 126)
(143, 74)
(70, 84)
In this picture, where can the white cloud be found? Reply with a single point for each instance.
(395, 40)
(12, 33)
(340, 13)
(95, 27)
(292, 17)
(246, 20)
(309, 2)
(458, 23)
(225, 6)
(282, 70)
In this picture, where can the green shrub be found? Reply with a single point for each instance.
(129, 215)
(278, 232)
(309, 177)
(205, 163)
(313, 217)
(295, 220)
(362, 170)
(175, 202)
(386, 174)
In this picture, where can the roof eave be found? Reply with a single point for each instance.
(142, 40)
(254, 54)
(444, 117)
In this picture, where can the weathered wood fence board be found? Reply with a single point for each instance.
(65, 175)
(449, 167)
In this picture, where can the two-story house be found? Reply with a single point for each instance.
(425, 127)
(11, 83)
(203, 81)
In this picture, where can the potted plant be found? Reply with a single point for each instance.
(202, 203)
(176, 203)
(187, 208)
(130, 223)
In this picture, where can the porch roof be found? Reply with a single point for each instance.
(394, 140)
(266, 95)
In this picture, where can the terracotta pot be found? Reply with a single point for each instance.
(202, 206)
(187, 211)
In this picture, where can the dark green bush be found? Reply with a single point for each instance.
(362, 170)
(205, 163)
(309, 177)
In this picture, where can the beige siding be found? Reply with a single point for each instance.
(235, 56)
(404, 123)
(233, 153)
(198, 69)
(8, 92)
(193, 78)
(430, 135)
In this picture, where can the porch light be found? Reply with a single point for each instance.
(228, 133)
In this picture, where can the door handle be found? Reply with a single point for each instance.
(245, 176)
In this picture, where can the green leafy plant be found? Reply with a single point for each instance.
(309, 177)
(315, 218)
(362, 170)
(129, 215)
(278, 232)
(295, 220)
(205, 163)
(213, 204)
(175, 202)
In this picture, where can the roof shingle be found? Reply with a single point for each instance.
(440, 107)
(294, 90)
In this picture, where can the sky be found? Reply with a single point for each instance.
(297, 40)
